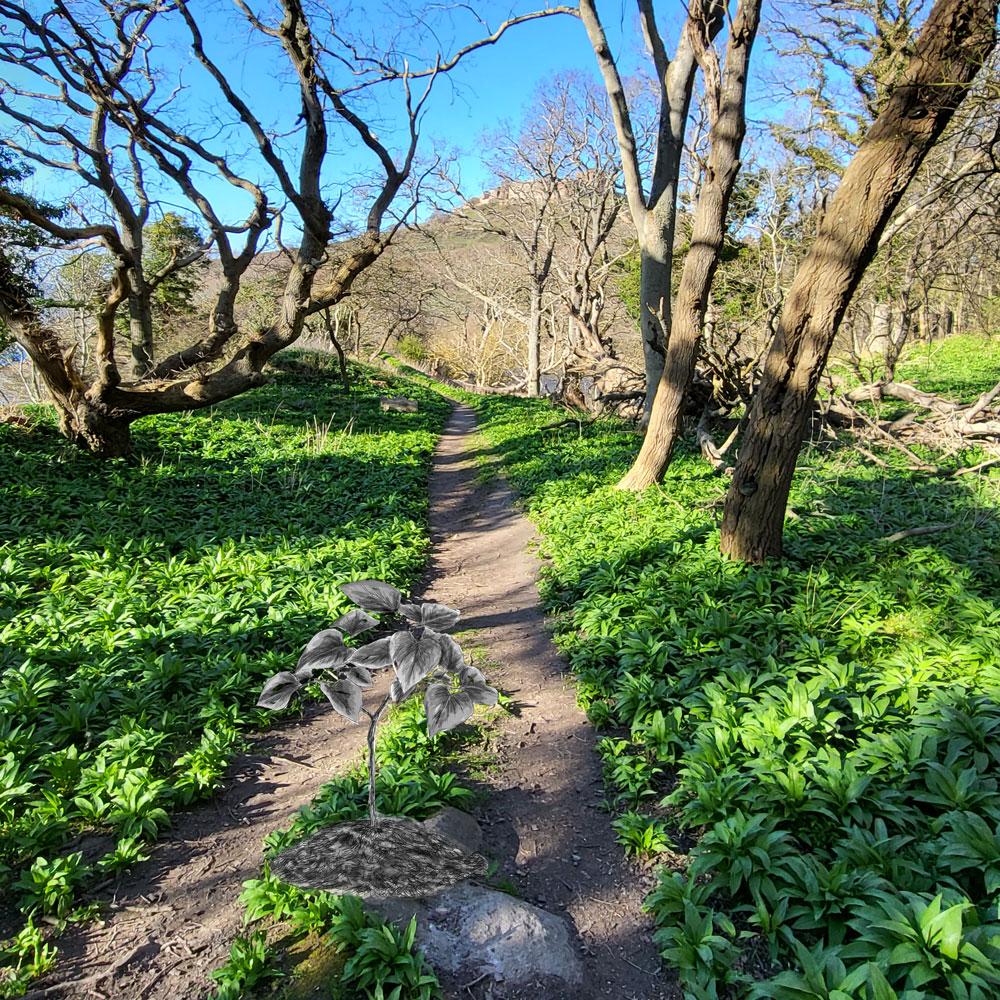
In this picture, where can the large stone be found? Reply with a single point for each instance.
(471, 930)
(458, 827)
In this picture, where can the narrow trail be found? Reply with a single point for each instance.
(542, 822)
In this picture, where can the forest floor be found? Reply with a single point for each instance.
(172, 919)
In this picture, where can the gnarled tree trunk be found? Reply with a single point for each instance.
(952, 46)
(94, 426)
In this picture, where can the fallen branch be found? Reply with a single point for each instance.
(877, 391)
(871, 456)
(919, 463)
(976, 468)
(569, 421)
(984, 400)
(709, 451)
(927, 529)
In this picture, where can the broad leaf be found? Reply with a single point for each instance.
(396, 691)
(439, 616)
(356, 675)
(452, 658)
(481, 694)
(436, 616)
(414, 658)
(445, 709)
(373, 595)
(374, 656)
(345, 698)
(468, 674)
(324, 651)
(355, 621)
(278, 690)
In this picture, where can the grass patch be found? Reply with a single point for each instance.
(143, 602)
(957, 368)
(816, 742)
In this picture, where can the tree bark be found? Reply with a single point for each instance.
(534, 339)
(94, 427)
(728, 128)
(954, 42)
(656, 254)
(140, 309)
(140, 326)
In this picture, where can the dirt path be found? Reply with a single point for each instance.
(174, 917)
(542, 821)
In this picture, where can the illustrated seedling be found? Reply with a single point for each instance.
(383, 856)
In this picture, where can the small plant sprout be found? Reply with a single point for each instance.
(420, 651)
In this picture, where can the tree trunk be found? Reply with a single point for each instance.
(708, 233)
(140, 326)
(954, 42)
(333, 328)
(140, 313)
(534, 338)
(654, 217)
(94, 427)
(656, 256)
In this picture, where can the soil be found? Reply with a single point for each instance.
(172, 919)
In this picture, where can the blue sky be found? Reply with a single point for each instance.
(494, 83)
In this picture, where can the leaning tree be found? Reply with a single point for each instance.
(725, 99)
(952, 47)
(94, 92)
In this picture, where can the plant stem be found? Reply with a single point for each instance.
(371, 760)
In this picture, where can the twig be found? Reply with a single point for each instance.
(872, 456)
(927, 529)
(89, 980)
(478, 979)
(976, 468)
(645, 972)
(160, 975)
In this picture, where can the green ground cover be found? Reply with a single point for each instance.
(143, 603)
(816, 742)
(957, 368)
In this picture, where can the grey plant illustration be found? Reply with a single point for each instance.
(367, 858)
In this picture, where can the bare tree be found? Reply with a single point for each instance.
(654, 210)
(554, 209)
(100, 110)
(951, 48)
(726, 98)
